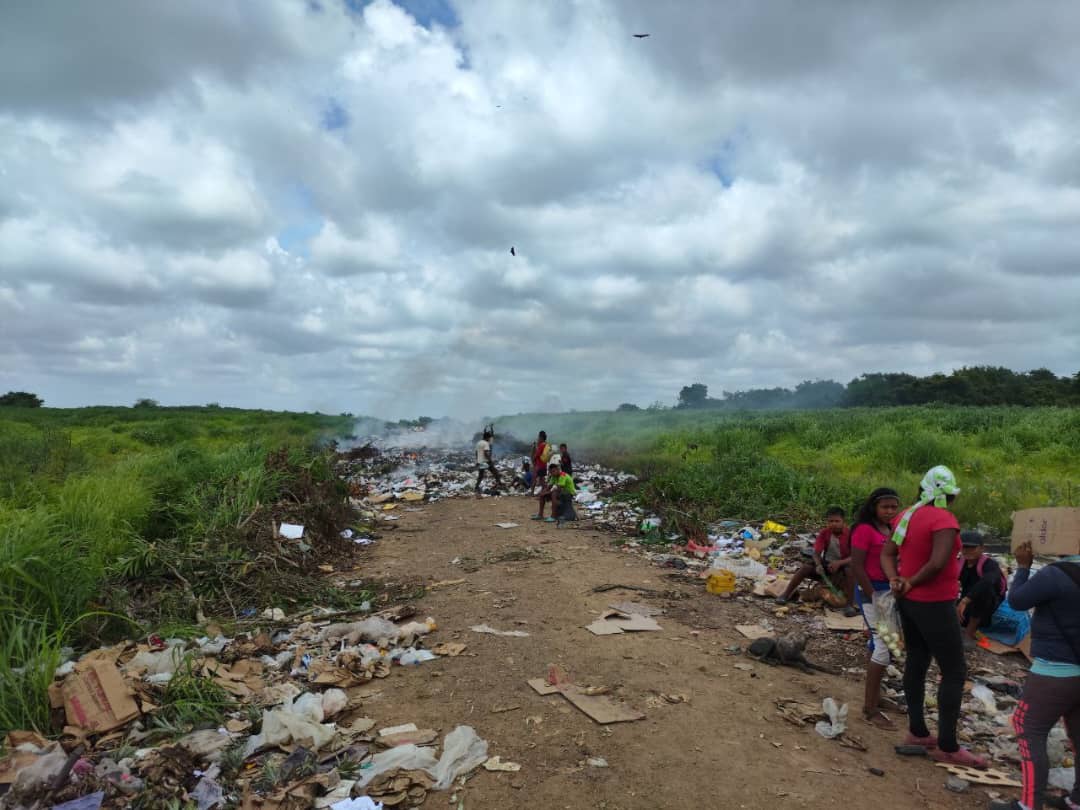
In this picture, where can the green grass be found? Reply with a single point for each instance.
(795, 464)
(95, 499)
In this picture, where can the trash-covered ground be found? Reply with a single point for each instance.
(497, 663)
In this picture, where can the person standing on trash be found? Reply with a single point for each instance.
(565, 462)
(560, 490)
(982, 586)
(926, 539)
(485, 463)
(832, 559)
(1052, 688)
(540, 456)
(872, 527)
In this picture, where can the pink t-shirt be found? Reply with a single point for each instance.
(915, 552)
(870, 540)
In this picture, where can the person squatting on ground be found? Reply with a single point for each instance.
(540, 456)
(832, 558)
(1052, 688)
(524, 479)
(982, 586)
(484, 461)
(560, 490)
(871, 529)
(926, 539)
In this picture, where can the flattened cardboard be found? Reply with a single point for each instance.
(754, 631)
(1052, 530)
(542, 687)
(835, 622)
(600, 708)
(614, 622)
(96, 698)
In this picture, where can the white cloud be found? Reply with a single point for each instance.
(296, 205)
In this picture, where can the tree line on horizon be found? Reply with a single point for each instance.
(977, 385)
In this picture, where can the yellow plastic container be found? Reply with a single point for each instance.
(722, 583)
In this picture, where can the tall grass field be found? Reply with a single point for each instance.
(795, 465)
(95, 498)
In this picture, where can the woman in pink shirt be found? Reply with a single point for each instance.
(872, 527)
(926, 539)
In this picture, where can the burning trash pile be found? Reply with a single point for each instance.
(260, 721)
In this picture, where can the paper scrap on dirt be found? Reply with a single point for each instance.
(835, 622)
(496, 764)
(483, 628)
(636, 608)
(507, 525)
(754, 631)
(291, 531)
(614, 622)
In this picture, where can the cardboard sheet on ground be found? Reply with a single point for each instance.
(987, 777)
(1052, 530)
(635, 608)
(615, 622)
(837, 622)
(96, 698)
(997, 648)
(753, 631)
(600, 708)
(772, 589)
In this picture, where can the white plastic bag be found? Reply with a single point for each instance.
(410, 757)
(888, 623)
(463, 750)
(292, 722)
(837, 722)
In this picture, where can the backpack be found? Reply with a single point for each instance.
(1003, 585)
(545, 454)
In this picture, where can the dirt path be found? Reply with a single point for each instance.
(725, 748)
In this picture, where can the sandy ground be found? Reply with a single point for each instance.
(725, 748)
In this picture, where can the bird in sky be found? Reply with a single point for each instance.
(512, 252)
(641, 36)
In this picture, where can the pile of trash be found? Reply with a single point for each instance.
(261, 720)
(378, 473)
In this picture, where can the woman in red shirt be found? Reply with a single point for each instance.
(926, 539)
(872, 527)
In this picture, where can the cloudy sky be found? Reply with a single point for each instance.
(310, 205)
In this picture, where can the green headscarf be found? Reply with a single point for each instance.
(936, 485)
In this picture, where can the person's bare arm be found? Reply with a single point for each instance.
(890, 552)
(858, 568)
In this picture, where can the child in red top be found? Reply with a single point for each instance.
(832, 558)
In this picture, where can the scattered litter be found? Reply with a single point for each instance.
(91, 801)
(359, 803)
(291, 531)
(596, 762)
(483, 628)
(383, 732)
(614, 622)
(96, 699)
(463, 750)
(956, 784)
(508, 525)
(496, 764)
(273, 614)
(845, 623)
(451, 649)
(988, 777)
(601, 708)
(635, 608)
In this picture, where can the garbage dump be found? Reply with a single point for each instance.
(259, 720)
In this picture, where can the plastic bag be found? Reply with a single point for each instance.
(409, 757)
(888, 622)
(290, 723)
(463, 750)
(837, 722)
(739, 566)
(333, 702)
(981, 692)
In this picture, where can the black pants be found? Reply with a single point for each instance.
(982, 606)
(480, 471)
(1043, 702)
(932, 630)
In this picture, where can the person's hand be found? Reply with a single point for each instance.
(834, 567)
(900, 586)
(962, 606)
(1024, 556)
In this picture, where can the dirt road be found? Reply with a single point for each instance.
(725, 748)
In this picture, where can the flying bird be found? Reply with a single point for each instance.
(641, 36)
(512, 253)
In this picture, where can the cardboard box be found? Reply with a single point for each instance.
(1051, 530)
(96, 698)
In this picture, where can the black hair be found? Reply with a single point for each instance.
(543, 435)
(488, 434)
(971, 537)
(562, 444)
(867, 512)
(834, 510)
